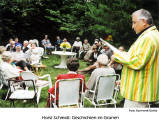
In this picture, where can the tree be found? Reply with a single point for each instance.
(94, 19)
(90, 19)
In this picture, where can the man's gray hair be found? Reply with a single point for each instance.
(144, 14)
(103, 59)
(26, 41)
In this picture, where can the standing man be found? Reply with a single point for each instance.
(140, 74)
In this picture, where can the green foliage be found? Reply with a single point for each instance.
(29, 19)
(94, 19)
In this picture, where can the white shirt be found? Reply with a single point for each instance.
(96, 73)
(19, 56)
(77, 44)
(9, 70)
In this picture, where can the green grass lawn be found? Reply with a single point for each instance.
(51, 62)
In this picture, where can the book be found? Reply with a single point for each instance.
(114, 49)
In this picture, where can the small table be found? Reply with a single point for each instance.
(64, 56)
(38, 68)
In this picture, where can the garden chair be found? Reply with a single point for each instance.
(103, 91)
(40, 54)
(39, 84)
(68, 92)
(22, 94)
(4, 82)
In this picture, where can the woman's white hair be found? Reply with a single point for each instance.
(6, 56)
(103, 59)
(2, 49)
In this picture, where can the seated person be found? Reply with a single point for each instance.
(17, 42)
(84, 49)
(58, 42)
(102, 70)
(65, 45)
(9, 70)
(25, 46)
(47, 44)
(87, 55)
(72, 65)
(33, 54)
(107, 51)
(77, 45)
(94, 55)
(11, 47)
(99, 46)
(2, 49)
(19, 59)
(10, 40)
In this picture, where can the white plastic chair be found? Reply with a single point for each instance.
(41, 51)
(3, 82)
(22, 94)
(69, 91)
(39, 84)
(103, 91)
(1, 79)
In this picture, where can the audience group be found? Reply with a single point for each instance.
(16, 57)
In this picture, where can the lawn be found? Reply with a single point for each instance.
(50, 62)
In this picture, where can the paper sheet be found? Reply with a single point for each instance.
(115, 50)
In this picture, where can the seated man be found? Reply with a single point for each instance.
(47, 44)
(72, 65)
(102, 70)
(94, 55)
(9, 43)
(58, 42)
(11, 47)
(77, 45)
(20, 59)
(25, 46)
(17, 42)
(107, 51)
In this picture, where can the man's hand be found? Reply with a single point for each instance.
(112, 58)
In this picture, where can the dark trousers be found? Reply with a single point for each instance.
(22, 64)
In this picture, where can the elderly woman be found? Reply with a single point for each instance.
(2, 49)
(72, 65)
(85, 48)
(9, 70)
(102, 70)
(33, 54)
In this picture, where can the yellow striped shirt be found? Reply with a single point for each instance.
(140, 74)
